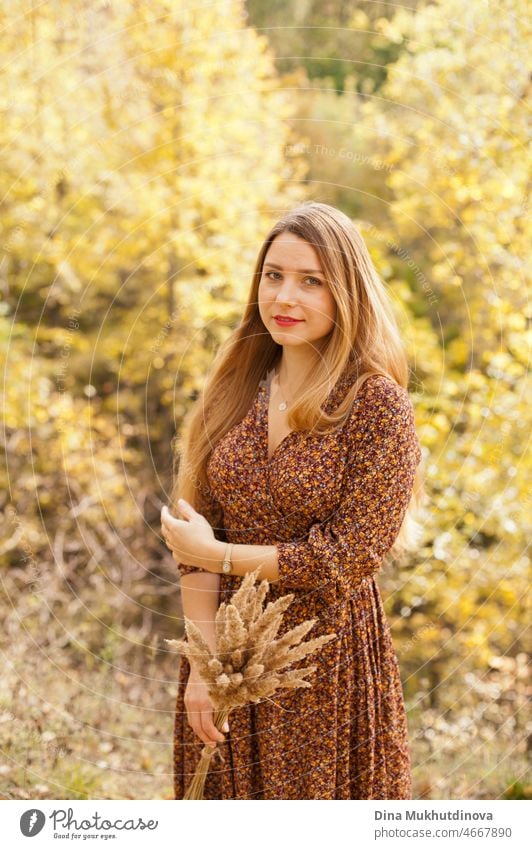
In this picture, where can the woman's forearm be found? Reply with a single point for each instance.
(200, 600)
(245, 558)
(191, 547)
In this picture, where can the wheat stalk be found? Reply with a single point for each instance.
(247, 663)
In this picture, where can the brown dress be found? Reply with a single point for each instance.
(334, 505)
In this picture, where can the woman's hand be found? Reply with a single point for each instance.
(191, 540)
(200, 711)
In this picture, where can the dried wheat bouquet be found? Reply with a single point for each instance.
(246, 666)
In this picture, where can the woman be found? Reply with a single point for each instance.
(302, 453)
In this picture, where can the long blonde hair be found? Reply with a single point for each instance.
(365, 332)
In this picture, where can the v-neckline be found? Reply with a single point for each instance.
(265, 388)
(266, 419)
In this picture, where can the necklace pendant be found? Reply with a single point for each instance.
(283, 405)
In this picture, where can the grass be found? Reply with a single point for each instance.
(86, 734)
(87, 707)
(103, 733)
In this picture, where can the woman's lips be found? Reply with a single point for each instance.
(287, 322)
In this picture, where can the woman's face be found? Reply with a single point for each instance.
(293, 284)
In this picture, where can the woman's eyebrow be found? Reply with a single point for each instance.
(300, 270)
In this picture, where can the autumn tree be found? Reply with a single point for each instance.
(452, 133)
(144, 158)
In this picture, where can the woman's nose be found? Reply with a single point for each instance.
(287, 292)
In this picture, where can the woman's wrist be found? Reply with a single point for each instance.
(194, 675)
(213, 556)
(244, 558)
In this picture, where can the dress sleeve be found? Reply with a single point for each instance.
(383, 454)
(209, 507)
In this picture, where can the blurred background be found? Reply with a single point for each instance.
(147, 147)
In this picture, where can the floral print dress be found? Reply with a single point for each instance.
(333, 505)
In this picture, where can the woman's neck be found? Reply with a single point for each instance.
(294, 368)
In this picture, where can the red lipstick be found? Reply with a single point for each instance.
(286, 321)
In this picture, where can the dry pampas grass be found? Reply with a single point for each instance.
(246, 665)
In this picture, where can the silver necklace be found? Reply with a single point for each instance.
(283, 405)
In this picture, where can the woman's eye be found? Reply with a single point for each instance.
(275, 275)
